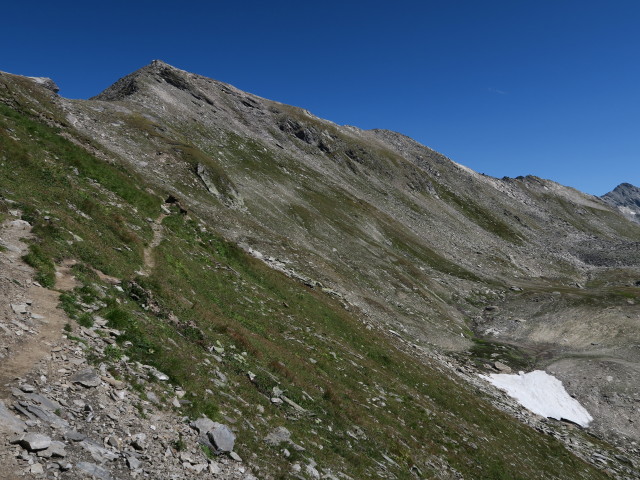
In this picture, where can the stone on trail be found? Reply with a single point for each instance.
(19, 308)
(86, 378)
(36, 469)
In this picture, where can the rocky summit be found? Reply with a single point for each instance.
(198, 282)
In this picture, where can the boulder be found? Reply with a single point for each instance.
(202, 425)
(501, 367)
(35, 442)
(222, 437)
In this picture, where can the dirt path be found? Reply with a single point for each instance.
(149, 261)
(29, 316)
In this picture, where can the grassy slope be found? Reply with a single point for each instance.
(361, 397)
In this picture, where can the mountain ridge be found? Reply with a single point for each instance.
(459, 269)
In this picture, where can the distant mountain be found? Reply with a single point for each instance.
(626, 198)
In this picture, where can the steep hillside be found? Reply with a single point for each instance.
(284, 271)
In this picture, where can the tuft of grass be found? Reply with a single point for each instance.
(85, 320)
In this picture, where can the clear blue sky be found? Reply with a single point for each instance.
(506, 87)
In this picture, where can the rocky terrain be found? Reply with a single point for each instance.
(248, 290)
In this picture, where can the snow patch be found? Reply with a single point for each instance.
(627, 210)
(543, 394)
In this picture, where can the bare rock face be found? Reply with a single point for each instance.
(626, 198)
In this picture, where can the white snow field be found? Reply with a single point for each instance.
(543, 394)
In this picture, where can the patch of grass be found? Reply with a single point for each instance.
(179, 444)
(43, 264)
(112, 353)
(85, 320)
(69, 303)
(486, 351)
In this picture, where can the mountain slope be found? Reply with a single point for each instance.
(374, 233)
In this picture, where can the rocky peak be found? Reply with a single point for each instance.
(626, 198)
(130, 84)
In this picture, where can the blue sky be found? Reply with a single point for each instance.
(547, 87)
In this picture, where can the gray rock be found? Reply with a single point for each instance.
(97, 452)
(139, 441)
(94, 470)
(113, 442)
(203, 425)
(37, 469)
(277, 436)
(9, 421)
(222, 437)
(73, 436)
(153, 398)
(48, 417)
(42, 400)
(56, 449)
(133, 463)
(86, 378)
(501, 367)
(19, 308)
(35, 441)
